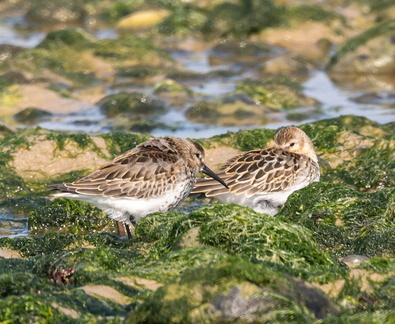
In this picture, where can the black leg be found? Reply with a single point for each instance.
(128, 231)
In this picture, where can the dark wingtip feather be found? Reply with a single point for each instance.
(61, 187)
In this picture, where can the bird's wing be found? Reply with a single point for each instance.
(141, 173)
(258, 171)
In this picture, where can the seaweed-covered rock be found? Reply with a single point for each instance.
(56, 12)
(241, 231)
(135, 105)
(9, 51)
(131, 49)
(31, 116)
(368, 52)
(233, 291)
(276, 93)
(242, 18)
(173, 92)
(217, 263)
(233, 110)
(286, 64)
(71, 37)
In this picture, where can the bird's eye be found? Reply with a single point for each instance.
(197, 155)
(292, 144)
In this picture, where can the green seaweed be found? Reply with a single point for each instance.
(69, 215)
(197, 294)
(82, 140)
(70, 37)
(183, 20)
(121, 142)
(372, 169)
(130, 48)
(345, 221)
(28, 309)
(311, 12)
(241, 231)
(242, 18)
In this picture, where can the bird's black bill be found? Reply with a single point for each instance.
(213, 175)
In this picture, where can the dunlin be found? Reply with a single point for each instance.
(264, 179)
(155, 176)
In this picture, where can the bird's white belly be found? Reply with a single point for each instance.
(257, 201)
(120, 209)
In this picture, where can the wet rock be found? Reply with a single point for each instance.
(232, 52)
(276, 93)
(368, 52)
(173, 92)
(383, 98)
(14, 77)
(241, 19)
(139, 72)
(9, 51)
(286, 64)
(230, 111)
(31, 116)
(72, 37)
(141, 20)
(354, 260)
(184, 20)
(135, 105)
(47, 100)
(56, 12)
(304, 39)
(133, 50)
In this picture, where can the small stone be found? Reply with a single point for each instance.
(31, 116)
(354, 260)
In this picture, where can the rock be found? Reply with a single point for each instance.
(14, 77)
(230, 293)
(354, 260)
(71, 37)
(243, 52)
(369, 52)
(56, 12)
(173, 92)
(135, 105)
(141, 20)
(276, 93)
(303, 39)
(286, 64)
(234, 110)
(31, 116)
(47, 100)
(9, 51)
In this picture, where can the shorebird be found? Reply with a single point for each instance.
(155, 176)
(263, 179)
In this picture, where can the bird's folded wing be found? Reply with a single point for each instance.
(259, 171)
(137, 175)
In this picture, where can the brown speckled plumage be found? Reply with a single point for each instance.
(263, 179)
(154, 176)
